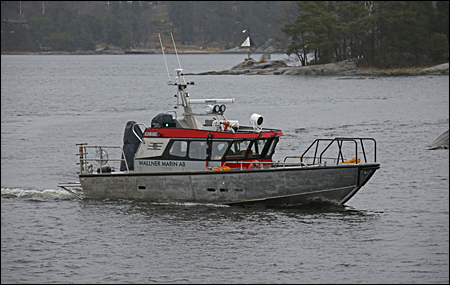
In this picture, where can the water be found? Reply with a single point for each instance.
(395, 230)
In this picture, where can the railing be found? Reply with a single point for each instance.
(86, 167)
(318, 159)
(260, 164)
(134, 132)
(340, 157)
(255, 164)
(304, 160)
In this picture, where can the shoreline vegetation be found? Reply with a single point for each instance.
(387, 34)
(276, 67)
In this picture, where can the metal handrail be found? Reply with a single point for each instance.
(135, 132)
(174, 111)
(339, 142)
(247, 162)
(85, 167)
(306, 157)
(284, 163)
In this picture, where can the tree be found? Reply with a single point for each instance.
(440, 17)
(319, 22)
(14, 37)
(222, 22)
(347, 31)
(59, 15)
(60, 41)
(310, 32)
(147, 25)
(81, 34)
(39, 28)
(130, 19)
(181, 19)
(439, 47)
(95, 24)
(296, 44)
(113, 32)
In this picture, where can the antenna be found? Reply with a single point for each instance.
(179, 64)
(168, 75)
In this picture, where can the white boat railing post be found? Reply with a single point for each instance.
(82, 152)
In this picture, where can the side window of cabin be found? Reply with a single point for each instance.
(197, 149)
(218, 150)
(179, 148)
(257, 148)
(237, 150)
(272, 147)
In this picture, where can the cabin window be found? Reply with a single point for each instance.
(179, 148)
(257, 148)
(218, 150)
(197, 149)
(237, 150)
(272, 148)
(252, 149)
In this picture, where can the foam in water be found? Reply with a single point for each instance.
(62, 194)
(29, 193)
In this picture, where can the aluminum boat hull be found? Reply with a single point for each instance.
(273, 186)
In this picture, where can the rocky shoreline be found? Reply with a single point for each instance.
(342, 68)
(276, 67)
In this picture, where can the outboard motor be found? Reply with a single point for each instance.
(130, 145)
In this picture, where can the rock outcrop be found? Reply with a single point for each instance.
(441, 142)
(342, 68)
(278, 67)
(438, 69)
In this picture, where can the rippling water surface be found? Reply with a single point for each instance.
(395, 230)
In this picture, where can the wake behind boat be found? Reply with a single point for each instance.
(180, 159)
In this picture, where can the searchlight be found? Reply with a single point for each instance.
(256, 121)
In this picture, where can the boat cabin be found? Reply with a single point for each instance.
(168, 147)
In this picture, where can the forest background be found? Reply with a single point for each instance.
(385, 34)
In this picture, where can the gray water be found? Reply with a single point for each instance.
(395, 230)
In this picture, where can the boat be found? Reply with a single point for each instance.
(180, 159)
(441, 142)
